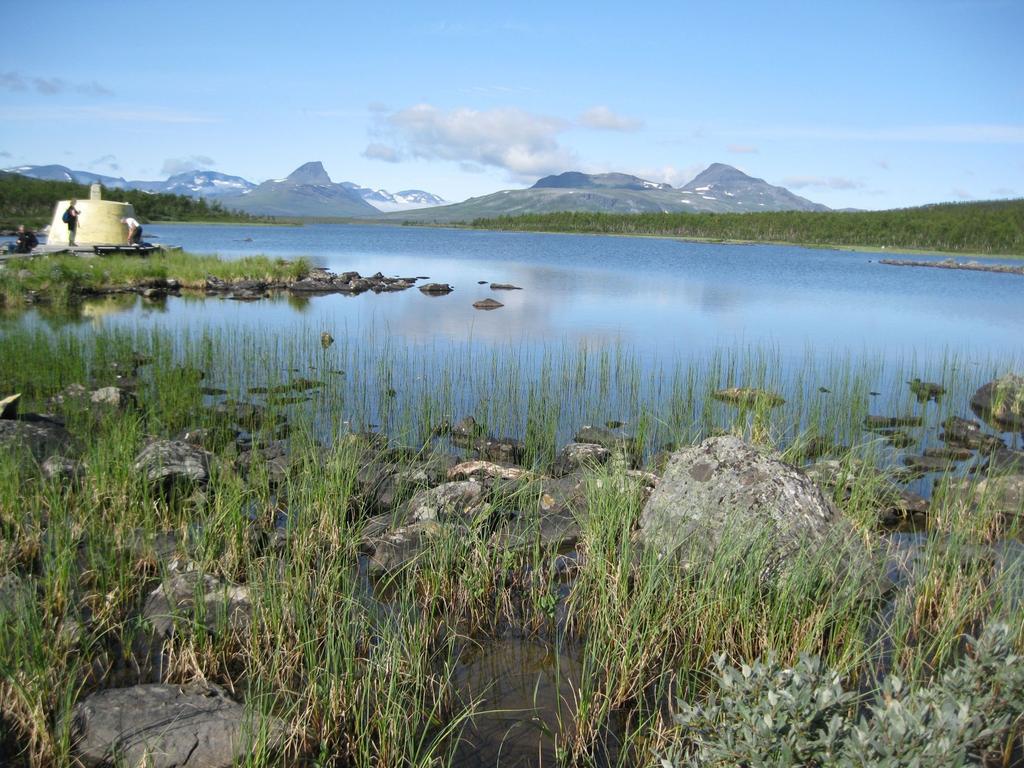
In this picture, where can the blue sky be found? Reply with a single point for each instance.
(861, 104)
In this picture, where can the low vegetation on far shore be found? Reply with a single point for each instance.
(63, 277)
(995, 227)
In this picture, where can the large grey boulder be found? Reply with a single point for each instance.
(723, 489)
(168, 726)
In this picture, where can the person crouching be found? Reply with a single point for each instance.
(27, 240)
(134, 230)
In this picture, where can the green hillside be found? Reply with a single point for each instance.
(31, 201)
(993, 227)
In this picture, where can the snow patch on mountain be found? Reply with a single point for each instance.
(406, 200)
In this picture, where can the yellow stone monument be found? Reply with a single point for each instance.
(99, 221)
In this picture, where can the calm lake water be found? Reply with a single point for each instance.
(656, 296)
(664, 301)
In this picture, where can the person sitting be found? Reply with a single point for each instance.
(27, 240)
(134, 230)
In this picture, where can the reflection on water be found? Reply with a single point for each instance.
(653, 295)
(524, 690)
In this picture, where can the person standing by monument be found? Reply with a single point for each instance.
(70, 218)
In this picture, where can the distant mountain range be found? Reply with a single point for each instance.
(718, 189)
(309, 192)
(282, 195)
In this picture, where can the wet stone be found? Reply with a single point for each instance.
(38, 435)
(62, 470)
(748, 397)
(1003, 494)
(949, 454)
(436, 289)
(224, 606)
(968, 434)
(167, 726)
(926, 390)
(487, 304)
(575, 456)
(890, 422)
(170, 461)
(1001, 402)
(457, 500)
(500, 449)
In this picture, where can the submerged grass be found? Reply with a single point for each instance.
(363, 667)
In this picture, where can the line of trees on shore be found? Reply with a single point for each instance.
(994, 227)
(28, 201)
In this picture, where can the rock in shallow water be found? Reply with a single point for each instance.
(487, 304)
(749, 397)
(436, 289)
(1001, 402)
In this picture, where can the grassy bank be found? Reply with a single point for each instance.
(363, 664)
(64, 278)
(994, 228)
(31, 201)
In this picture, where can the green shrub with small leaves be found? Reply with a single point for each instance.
(766, 715)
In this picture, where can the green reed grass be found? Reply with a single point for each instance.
(363, 670)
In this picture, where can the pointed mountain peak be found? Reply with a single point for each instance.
(309, 173)
(719, 173)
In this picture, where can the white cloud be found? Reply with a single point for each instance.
(49, 86)
(963, 194)
(173, 165)
(825, 182)
(524, 144)
(742, 149)
(382, 152)
(604, 119)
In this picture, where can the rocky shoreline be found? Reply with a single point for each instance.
(317, 282)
